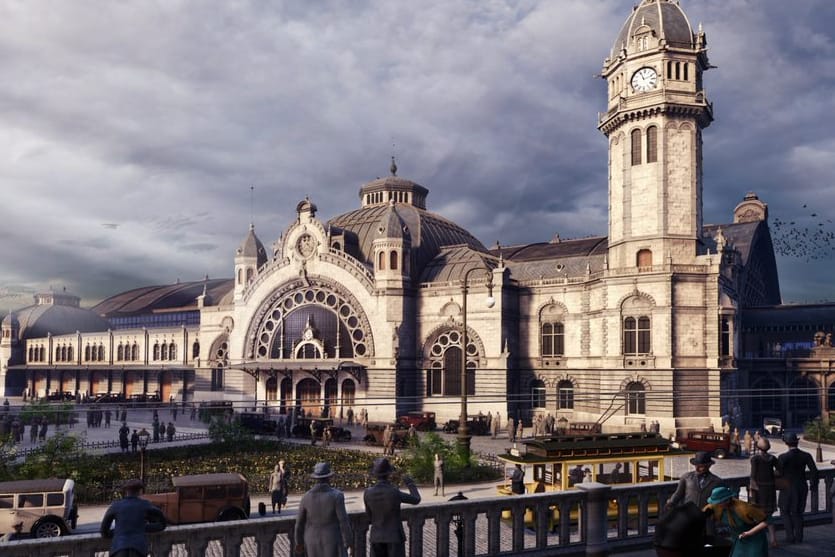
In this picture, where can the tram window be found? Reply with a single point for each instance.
(614, 473)
(647, 470)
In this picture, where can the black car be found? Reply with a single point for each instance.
(102, 398)
(258, 423)
(302, 429)
(66, 395)
(477, 425)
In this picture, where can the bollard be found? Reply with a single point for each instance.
(595, 518)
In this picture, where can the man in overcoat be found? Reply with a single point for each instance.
(696, 486)
(382, 505)
(792, 466)
(322, 527)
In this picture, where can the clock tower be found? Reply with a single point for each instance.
(656, 111)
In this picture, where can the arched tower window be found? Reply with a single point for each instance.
(652, 144)
(393, 260)
(249, 274)
(381, 261)
(636, 147)
(240, 276)
(635, 398)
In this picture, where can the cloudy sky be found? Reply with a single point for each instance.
(131, 132)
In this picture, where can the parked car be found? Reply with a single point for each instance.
(716, 443)
(258, 423)
(61, 396)
(772, 427)
(46, 507)
(102, 398)
(477, 425)
(422, 421)
(374, 434)
(139, 400)
(302, 429)
(204, 498)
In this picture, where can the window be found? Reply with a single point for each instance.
(69, 353)
(565, 395)
(217, 379)
(644, 259)
(635, 398)
(101, 352)
(156, 351)
(636, 147)
(249, 274)
(652, 144)
(240, 276)
(164, 349)
(172, 351)
(195, 350)
(538, 394)
(636, 335)
(381, 261)
(134, 352)
(725, 340)
(120, 352)
(393, 261)
(444, 375)
(553, 339)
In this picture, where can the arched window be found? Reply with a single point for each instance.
(637, 335)
(195, 350)
(30, 354)
(725, 337)
(249, 274)
(444, 375)
(120, 352)
(537, 394)
(156, 351)
(635, 398)
(57, 353)
(565, 395)
(553, 339)
(240, 276)
(172, 351)
(644, 259)
(272, 388)
(41, 354)
(164, 351)
(349, 393)
(381, 261)
(134, 352)
(636, 147)
(69, 353)
(101, 353)
(652, 144)
(393, 261)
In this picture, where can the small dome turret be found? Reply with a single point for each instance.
(252, 247)
(663, 18)
(11, 321)
(392, 226)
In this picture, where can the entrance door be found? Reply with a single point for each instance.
(308, 393)
(165, 385)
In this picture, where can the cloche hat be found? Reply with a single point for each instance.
(720, 495)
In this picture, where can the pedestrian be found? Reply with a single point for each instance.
(746, 523)
(382, 505)
(170, 431)
(697, 485)
(134, 518)
(108, 414)
(520, 430)
(761, 486)
(792, 466)
(44, 426)
(193, 414)
(322, 526)
(517, 480)
(278, 487)
(747, 444)
(6, 406)
(497, 424)
(155, 426)
(680, 532)
(312, 432)
(33, 431)
(124, 432)
(174, 413)
(576, 475)
(438, 479)
(511, 429)
(134, 440)
(350, 415)
(326, 437)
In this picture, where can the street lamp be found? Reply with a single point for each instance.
(820, 431)
(144, 436)
(463, 431)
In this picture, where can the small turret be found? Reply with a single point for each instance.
(249, 258)
(10, 330)
(392, 249)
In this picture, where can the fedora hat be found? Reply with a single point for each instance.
(321, 471)
(133, 485)
(703, 458)
(382, 467)
(790, 439)
(720, 495)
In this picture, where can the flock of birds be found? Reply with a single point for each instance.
(808, 238)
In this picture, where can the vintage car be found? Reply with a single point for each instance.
(58, 395)
(772, 427)
(105, 398)
(204, 498)
(716, 443)
(46, 507)
(302, 429)
(138, 400)
(422, 421)
(374, 434)
(477, 425)
(258, 423)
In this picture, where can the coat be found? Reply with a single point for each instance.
(762, 487)
(322, 523)
(382, 505)
(737, 518)
(689, 490)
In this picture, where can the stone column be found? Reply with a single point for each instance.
(595, 518)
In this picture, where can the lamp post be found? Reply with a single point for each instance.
(144, 436)
(464, 431)
(820, 431)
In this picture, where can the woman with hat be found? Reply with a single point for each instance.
(746, 522)
(322, 527)
(762, 484)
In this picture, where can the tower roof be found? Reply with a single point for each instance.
(391, 225)
(252, 247)
(665, 18)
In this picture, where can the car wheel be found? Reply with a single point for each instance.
(231, 514)
(720, 453)
(47, 528)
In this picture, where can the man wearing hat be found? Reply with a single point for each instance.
(382, 505)
(322, 527)
(746, 522)
(134, 518)
(697, 484)
(792, 466)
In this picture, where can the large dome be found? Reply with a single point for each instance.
(666, 19)
(51, 315)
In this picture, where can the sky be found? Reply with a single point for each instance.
(138, 139)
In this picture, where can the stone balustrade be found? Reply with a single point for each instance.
(521, 525)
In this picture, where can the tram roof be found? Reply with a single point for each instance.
(584, 447)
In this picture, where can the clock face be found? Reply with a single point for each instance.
(644, 79)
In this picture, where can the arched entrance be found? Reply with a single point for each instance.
(308, 395)
(766, 401)
(272, 388)
(285, 392)
(331, 395)
(349, 393)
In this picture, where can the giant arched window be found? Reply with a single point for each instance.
(565, 395)
(636, 147)
(652, 144)
(219, 357)
(444, 375)
(636, 402)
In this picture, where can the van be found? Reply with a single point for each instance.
(45, 507)
(204, 498)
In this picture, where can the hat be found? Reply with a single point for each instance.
(133, 485)
(763, 444)
(321, 471)
(791, 439)
(703, 458)
(720, 495)
(382, 467)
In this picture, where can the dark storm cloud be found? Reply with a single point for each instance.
(159, 117)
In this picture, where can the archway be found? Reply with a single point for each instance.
(309, 396)
(331, 395)
(272, 388)
(766, 401)
(285, 391)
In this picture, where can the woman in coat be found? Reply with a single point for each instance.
(322, 527)
(747, 523)
(763, 491)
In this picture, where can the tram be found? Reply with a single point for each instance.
(560, 462)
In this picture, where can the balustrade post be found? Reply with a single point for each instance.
(595, 518)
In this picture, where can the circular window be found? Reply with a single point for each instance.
(262, 351)
(298, 298)
(276, 314)
(345, 311)
(309, 295)
(471, 350)
(443, 340)
(320, 296)
(357, 334)
(353, 321)
(453, 336)
(331, 300)
(437, 350)
(359, 350)
(269, 325)
(288, 303)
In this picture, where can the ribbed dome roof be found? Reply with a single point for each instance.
(252, 247)
(664, 17)
(40, 320)
(170, 296)
(429, 232)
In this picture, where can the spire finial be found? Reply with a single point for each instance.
(251, 207)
